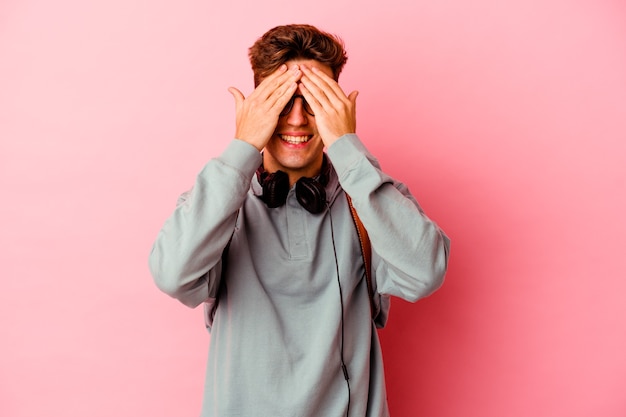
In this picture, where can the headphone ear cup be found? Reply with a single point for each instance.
(311, 195)
(275, 188)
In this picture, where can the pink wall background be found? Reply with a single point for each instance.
(506, 119)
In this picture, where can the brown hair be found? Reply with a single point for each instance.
(289, 42)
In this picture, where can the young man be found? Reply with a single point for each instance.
(267, 242)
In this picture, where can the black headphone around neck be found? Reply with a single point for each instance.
(310, 192)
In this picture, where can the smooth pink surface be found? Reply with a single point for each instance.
(506, 119)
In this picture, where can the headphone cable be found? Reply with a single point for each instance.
(344, 368)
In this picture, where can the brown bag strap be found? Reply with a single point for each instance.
(366, 251)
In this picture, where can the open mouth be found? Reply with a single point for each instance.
(295, 140)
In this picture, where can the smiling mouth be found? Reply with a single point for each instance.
(295, 140)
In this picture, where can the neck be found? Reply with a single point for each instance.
(270, 165)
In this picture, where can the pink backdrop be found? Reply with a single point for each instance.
(506, 119)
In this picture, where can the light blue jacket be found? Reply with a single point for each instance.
(276, 337)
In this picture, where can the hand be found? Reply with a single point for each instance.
(335, 113)
(257, 115)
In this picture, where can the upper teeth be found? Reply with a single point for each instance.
(294, 139)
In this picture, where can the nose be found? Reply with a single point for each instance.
(297, 116)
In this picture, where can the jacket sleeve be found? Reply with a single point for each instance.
(185, 260)
(410, 252)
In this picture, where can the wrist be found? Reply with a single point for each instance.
(257, 143)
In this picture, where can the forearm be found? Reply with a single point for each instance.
(410, 250)
(188, 249)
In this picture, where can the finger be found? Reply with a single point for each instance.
(313, 94)
(267, 84)
(280, 79)
(312, 99)
(329, 81)
(281, 89)
(279, 71)
(281, 96)
(352, 97)
(327, 91)
(326, 83)
(237, 95)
